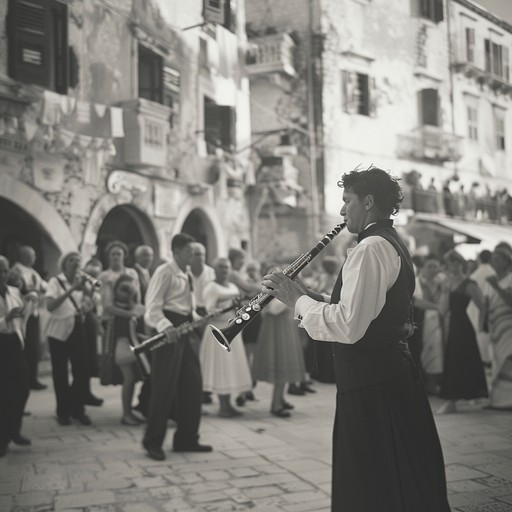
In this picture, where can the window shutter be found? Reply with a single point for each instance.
(350, 92)
(373, 97)
(470, 44)
(425, 8)
(230, 15)
(487, 48)
(213, 11)
(227, 117)
(29, 41)
(506, 63)
(211, 125)
(74, 68)
(438, 11)
(59, 16)
(429, 109)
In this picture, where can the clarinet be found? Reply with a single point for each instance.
(160, 339)
(247, 313)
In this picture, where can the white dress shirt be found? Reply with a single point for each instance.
(33, 282)
(199, 282)
(371, 269)
(12, 300)
(168, 290)
(62, 319)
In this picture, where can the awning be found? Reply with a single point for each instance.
(483, 232)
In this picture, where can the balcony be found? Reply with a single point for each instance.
(431, 144)
(494, 81)
(146, 126)
(271, 54)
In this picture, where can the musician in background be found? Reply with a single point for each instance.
(68, 306)
(202, 274)
(175, 370)
(32, 282)
(14, 385)
(384, 432)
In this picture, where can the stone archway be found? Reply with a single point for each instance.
(205, 228)
(135, 216)
(32, 221)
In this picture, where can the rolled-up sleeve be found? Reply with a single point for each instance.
(369, 272)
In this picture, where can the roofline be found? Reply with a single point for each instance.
(482, 11)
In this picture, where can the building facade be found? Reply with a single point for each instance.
(421, 88)
(122, 119)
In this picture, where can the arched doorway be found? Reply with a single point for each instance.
(21, 228)
(128, 224)
(199, 225)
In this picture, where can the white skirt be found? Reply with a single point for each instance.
(224, 372)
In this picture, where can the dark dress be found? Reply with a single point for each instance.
(463, 373)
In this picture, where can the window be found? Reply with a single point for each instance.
(472, 122)
(358, 93)
(499, 127)
(220, 12)
(219, 126)
(37, 32)
(497, 60)
(429, 107)
(470, 45)
(150, 75)
(432, 10)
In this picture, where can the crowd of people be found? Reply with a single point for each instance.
(462, 342)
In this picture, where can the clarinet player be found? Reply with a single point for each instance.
(176, 379)
(386, 450)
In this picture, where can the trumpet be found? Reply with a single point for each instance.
(95, 283)
(247, 313)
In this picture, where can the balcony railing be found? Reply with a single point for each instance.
(458, 205)
(430, 143)
(494, 81)
(271, 54)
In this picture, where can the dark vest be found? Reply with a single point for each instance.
(379, 355)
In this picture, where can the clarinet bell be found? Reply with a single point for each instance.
(221, 339)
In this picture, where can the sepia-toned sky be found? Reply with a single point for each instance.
(501, 8)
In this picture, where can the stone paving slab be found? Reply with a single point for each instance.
(260, 463)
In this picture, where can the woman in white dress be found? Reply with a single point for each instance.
(223, 373)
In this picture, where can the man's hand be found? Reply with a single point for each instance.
(14, 313)
(170, 334)
(282, 288)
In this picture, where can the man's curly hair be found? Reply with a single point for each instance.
(384, 188)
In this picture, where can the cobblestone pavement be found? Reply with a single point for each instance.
(260, 462)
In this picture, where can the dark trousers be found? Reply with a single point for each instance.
(14, 387)
(176, 382)
(70, 398)
(32, 348)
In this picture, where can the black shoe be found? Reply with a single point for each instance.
(293, 389)
(82, 418)
(196, 447)
(63, 420)
(154, 452)
(207, 398)
(240, 400)
(287, 405)
(38, 386)
(307, 388)
(281, 413)
(93, 400)
(250, 396)
(20, 440)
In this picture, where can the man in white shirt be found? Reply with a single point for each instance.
(202, 274)
(176, 380)
(386, 453)
(32, 282)
(144, 256)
